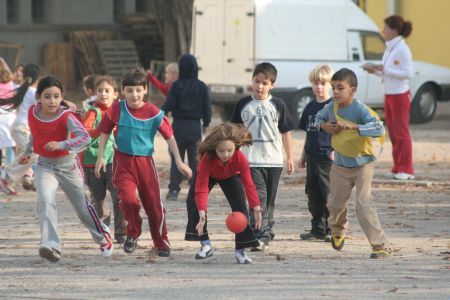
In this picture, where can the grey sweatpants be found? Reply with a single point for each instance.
(64, 172)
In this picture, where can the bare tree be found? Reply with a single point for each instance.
(174, 19)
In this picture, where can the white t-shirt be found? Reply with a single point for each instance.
(28, 100)
(266, 120)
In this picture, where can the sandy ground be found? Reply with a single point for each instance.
(415, 216)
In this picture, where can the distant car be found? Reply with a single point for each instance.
(230, 37)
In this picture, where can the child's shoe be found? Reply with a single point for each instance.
(172, 195)
(403, 176)
(205, 252)
(49, 253)
(309, 236)
(4, 185)
(380, 252)
(107, 246)
(242, 258)
(260, 247)
(163, 252)
(337, 242)
(130, 245)
(28, 183)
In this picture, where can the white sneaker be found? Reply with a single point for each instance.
(403, 176)
(205, 252)
(242, 258)
(107, 247)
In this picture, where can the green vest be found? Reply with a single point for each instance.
(90, 155)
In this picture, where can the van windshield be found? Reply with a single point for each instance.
(373, 45)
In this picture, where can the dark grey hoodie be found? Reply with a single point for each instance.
(188, 100)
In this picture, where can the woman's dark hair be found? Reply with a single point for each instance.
(31, 73)
(395, 22)
(236, 133)
(48, 82)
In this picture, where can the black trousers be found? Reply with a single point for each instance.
(318, 188)
(184, 146)
(266, 181)
(234, 192)
(98, 187)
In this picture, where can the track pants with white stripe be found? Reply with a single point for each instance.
(65, 172)
(132, 172)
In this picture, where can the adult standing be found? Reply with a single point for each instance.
(396, 72)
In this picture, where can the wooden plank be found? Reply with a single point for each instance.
(118, 56)
(59, 60)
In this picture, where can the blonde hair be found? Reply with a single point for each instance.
(173, 68)
(321, 73)
(5, 73)
(236, 133)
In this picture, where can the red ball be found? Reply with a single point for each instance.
(236, 222)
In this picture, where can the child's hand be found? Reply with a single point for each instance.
(100, 164)
(302, 163)
(331, 127)
(201, 222)
(23, 160)
(290, 166)
(257, 215)
(52, 146)
(348, 126)
(185, 170)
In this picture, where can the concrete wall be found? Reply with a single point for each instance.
(429, 40)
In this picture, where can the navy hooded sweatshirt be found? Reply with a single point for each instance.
(188, 100)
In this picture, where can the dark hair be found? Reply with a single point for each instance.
(108, 79)
(31, 73)
(345, 74)
(48, 82)
(89, 81)
(134, 77)
(395, 22)
(267, 69)
(236, 133)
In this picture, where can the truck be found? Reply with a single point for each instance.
(229, 37)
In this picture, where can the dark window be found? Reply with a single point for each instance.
(38, 9)
(373, 45)
(142, 6)
(12, 11)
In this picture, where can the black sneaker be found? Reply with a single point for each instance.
(172, 195)
(130, 245)
(337, 242)
(163, 252)
(311, 236)
(120, 239)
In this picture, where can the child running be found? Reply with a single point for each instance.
(352, 125)
(137, 122)
(223, 163)
(56, 134)
(106, 93)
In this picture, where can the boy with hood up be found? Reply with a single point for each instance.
(189, 101)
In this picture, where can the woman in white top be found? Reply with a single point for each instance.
(396, 72)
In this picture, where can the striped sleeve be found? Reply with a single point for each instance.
(80, 137)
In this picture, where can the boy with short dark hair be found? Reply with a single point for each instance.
(352, 125)
(137, 122)
(268, 120)
(316, 155)
(89, 89)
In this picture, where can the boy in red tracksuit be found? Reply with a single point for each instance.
(137, 122)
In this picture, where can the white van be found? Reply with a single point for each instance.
(229, 37)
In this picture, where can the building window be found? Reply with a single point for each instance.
(38, 9)
(12, 11)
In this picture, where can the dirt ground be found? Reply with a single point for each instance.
(415, 216)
